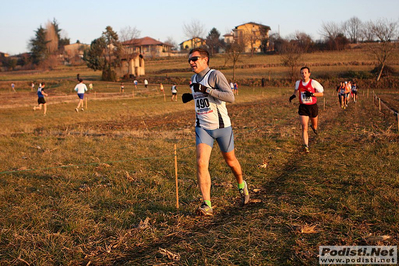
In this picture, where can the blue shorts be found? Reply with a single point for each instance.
(80, 95)
(223, 136)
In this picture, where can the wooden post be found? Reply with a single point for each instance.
(177, 183)
(397, 118)
(373, 98)
(86, 101)
(164, 97)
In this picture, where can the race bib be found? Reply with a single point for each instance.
(305, 99)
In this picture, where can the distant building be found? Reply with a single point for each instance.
(73, 53)
(132, 65)
(228, 38)
(148, 47)
(192, 43)
(4, 55)
(254, 36)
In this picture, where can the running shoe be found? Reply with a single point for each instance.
(76, 109)
(314, 130)
(306, 149)
(244, 194)
(82, 109)
(204, 210)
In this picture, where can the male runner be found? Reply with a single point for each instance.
(308, 90)
(210, 91)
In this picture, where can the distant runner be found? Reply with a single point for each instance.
(80, 89)
(40, 99)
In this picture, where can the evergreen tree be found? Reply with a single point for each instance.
(95, 57)
(37, 46)
(213, 41)
(61, 41)
(105, 54)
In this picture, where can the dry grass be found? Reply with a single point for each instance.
(98, 187)
(105, 191)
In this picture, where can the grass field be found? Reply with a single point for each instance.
(98, 187)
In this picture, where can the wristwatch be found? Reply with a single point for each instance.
(208, 90)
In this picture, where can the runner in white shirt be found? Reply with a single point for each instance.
(210, 91)
(308, 90)
(80, 89)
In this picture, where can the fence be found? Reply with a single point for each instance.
(381, 104)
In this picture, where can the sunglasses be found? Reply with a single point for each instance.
(194, 58)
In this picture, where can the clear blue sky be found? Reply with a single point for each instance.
(85, 20)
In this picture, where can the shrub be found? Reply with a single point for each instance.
(387, 72)
(350, 74)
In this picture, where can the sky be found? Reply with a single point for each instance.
(85, 20)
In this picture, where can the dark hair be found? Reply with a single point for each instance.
(203, 52)
(80, 80)
(305, 67)
(43, 83)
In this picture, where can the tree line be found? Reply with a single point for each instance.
(106, 52)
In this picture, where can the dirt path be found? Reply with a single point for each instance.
(29, 99)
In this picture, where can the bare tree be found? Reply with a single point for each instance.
(304, 41)
(384, 51)
(291, 57)
(352, 28)
(129, 38)
(233, 52)
(330, 31)
(170, 41)
(51, 38)
(194, 29)
(366, 33)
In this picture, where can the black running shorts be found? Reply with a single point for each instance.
(310, 110)
(41, 100)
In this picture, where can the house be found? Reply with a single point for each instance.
(147, 47)
(132, 65)
(192, 43)
(228, 38)
(4, 55)
(254, 36)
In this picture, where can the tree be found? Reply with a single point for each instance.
(384, 51)
(352, 28)
(291, 56)
(330, 31)
(62, 41)
(37, 46)
(51, 38)
(9, 63)
(46, 44)
(366, 33)
(105, 53)
(95, 56)
(170, 41)
(195, 29)
(304, 42)
(129, 39)
(213, 41)
(233, 52)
